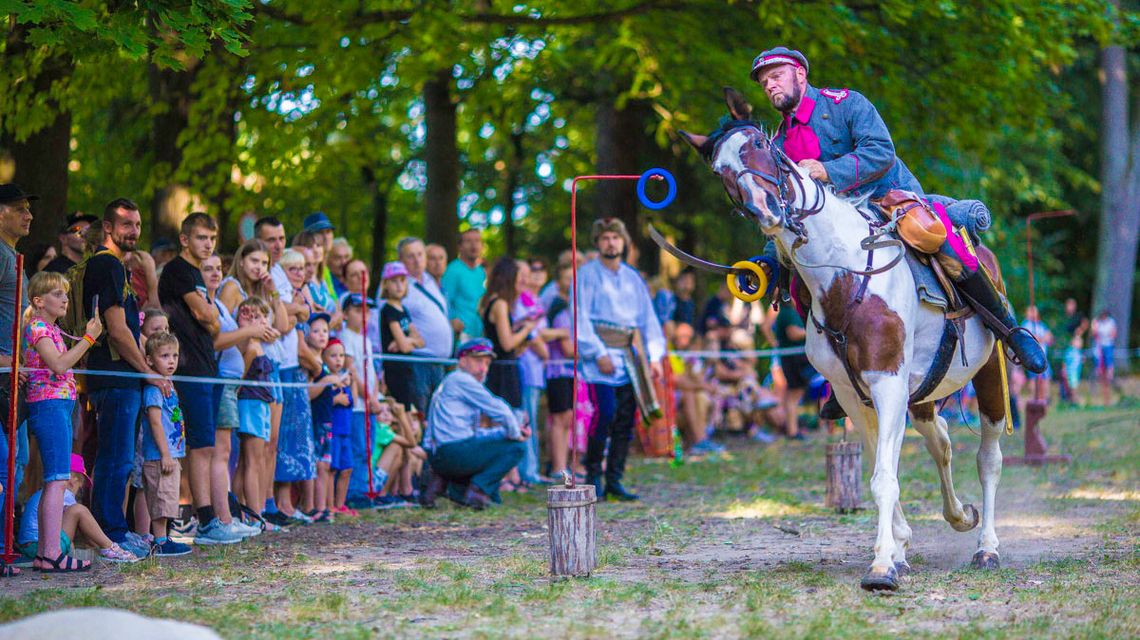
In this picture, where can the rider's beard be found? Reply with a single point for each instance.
(787, 102)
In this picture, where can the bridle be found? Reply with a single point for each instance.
(786, 181)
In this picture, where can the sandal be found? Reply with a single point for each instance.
(63, 564)
(8, 571)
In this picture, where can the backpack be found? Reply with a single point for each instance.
(75, 320)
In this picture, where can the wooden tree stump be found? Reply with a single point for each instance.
(844, 476)
(570, 513)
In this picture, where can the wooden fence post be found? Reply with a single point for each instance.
(844, 476)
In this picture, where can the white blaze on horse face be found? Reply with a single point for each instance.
(728, 164)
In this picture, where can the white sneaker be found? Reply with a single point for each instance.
(300, 515)
(217, 533)
(248, 530)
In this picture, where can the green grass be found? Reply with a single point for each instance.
(689, 561)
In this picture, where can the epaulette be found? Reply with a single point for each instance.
(836, 95)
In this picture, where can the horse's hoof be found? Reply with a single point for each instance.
(878, 579)
(985, 560)
(903, 568)
(972, 521)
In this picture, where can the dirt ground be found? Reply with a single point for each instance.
(721, 547)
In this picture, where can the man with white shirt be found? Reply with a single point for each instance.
(427, 306)
(612, 293)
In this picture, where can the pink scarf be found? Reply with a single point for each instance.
(800, 141)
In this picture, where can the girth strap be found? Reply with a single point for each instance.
(838, 340)
(940, 364)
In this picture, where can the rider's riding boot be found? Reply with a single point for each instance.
(982, 296)
(832, 410)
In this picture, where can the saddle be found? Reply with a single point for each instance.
(922, 233)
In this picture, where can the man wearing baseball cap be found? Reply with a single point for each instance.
(466, 460)
(71, 238)
(838, 136)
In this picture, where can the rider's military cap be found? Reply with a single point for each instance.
(777, 55)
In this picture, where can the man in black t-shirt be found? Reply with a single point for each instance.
(194, 319)
(789, 332)
(116, 400)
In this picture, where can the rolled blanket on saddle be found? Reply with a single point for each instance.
(629, 340)
(973, 215)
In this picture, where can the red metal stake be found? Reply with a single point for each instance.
(10, 489)
(368, 362)
(574, 302)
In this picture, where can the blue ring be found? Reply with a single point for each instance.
(773, 270)
(669, 197)
(747, 286)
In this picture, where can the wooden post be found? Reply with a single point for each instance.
(844, 476)
(1036, 451)
(572, 534)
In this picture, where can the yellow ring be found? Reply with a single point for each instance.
(757, 272)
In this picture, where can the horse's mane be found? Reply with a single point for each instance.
(726, 125)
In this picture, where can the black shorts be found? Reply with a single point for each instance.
(797, 371)
(560, 394)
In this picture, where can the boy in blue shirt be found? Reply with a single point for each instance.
(164, 441)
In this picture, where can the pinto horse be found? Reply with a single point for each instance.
(864, 301)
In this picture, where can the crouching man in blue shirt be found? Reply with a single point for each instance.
(467, 460)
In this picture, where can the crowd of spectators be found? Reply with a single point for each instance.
(304, 393)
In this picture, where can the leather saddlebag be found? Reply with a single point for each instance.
(918, 225)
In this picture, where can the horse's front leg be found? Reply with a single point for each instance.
(889, 394)
(933, 429)
(866, 421)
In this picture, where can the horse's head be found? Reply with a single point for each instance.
(756, 174)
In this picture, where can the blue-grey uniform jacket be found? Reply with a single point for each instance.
(853, 142)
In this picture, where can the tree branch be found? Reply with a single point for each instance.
(400, 15)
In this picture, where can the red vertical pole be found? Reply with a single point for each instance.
(13, 390)
(368, 362)
(574, 297)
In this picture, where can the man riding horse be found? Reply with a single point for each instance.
(838, 136)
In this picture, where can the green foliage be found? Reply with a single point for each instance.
(299, 106)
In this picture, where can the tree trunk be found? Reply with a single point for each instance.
(514, 166)
(619, 144)
(379, 221)
(38, 163)
(40, 167)
(1120, 196)
(219, 208)
(442, 156)
(172, 200)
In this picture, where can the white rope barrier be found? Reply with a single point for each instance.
(1086, 354)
